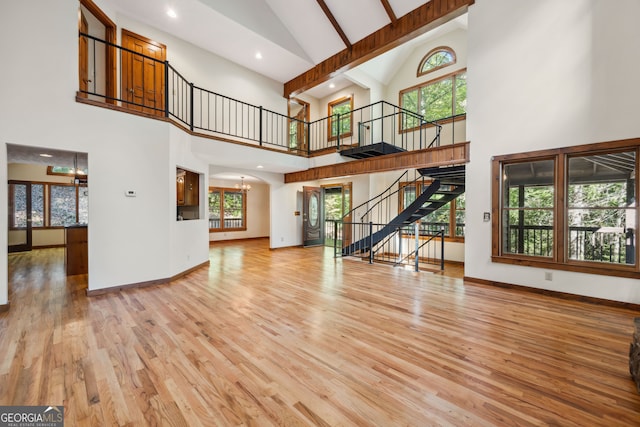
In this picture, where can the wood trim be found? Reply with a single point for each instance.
(390, 13)
(432, 81)
(334, 22)
(438, 156)
(422, 19)
(559, 260)
(452, 75)
(242, 239)
(4, 307)
(473, 281)
(431, 52)
(330, 106)
(96, 292)
(575, 149)
(222, 191)
(111, 54)
(131, 34)
(496, 192)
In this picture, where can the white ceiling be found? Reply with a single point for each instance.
(291, 35)
(52, 157)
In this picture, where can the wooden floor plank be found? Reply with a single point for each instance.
(294, 337)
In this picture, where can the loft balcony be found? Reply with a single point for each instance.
(162, 92)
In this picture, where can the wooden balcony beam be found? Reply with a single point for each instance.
(334, 22)
(455, 154)
(422, 19)
(389, 10)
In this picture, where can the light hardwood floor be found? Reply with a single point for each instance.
(293, 337)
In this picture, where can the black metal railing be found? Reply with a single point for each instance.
(585, 243)
(200, 110)
(402, 247)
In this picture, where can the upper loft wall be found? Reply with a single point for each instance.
(406, 76)
(360, 99)
(210, 71)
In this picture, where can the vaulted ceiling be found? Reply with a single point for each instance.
(291, 36)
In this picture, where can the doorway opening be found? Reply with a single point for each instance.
(337, 204)
(48, 215)
(97, 60)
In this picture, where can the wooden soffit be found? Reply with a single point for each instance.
(422, 19)
(440, 156)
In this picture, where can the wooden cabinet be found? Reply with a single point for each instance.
(180, 176)
(187, 194)
(187, 188)
(75, 255)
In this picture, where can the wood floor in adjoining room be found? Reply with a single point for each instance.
(295, 337)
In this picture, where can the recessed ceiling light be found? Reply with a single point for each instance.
(45, 155)
(258, 55)
(331, 85)
(172, 13)
(260, 167)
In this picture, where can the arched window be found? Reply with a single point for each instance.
(436, 58)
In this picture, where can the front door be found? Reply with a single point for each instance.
(312, 217)
(20, 208)
(143, 74)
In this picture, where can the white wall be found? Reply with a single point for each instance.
(130, 239)
(546, 74)
(258, 209)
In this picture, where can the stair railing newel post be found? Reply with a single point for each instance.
(166, 89)
(335, 238)
(442, 249)
(370, 242)
(417, 238)
(191, 106)
(399, 231)
(307, 126)
(338, 129)
(260, 126)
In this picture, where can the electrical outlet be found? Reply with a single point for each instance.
(548, 276)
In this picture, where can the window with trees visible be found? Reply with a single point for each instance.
(528, 207)
(435, 100)
(449, 218)
(227, 209)
(437, 58)
(52, 205)
(339, 114)
(572, 209)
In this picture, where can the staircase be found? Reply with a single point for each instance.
(448, 184)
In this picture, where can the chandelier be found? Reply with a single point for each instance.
(242, 186)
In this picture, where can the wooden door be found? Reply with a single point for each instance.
(83, 61)
(143, 74)
(312, 216)
(301, 134)
(20, 208)
(298, 110)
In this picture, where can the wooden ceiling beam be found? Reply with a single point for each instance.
(334, 22)
(422, 19)
(389, 10)
(454, 154)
